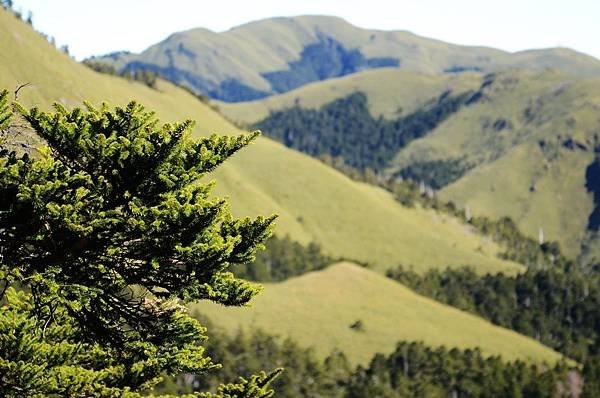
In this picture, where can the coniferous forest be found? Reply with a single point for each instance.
(339, 129)
(412, 369)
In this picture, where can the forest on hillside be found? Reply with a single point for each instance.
(346, 129)
(411, 370)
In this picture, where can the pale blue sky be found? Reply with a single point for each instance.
(98, 27)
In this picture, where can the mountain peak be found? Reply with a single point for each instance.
(307, 19)
(276, 55)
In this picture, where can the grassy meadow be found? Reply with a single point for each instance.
(318, 308)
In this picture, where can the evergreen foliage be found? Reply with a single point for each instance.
(345, 128)
(5, 110)
(109, 231)
(283, 258)
(325, 59)
(519, 248)
(592, 184)
(304, 376)
(412, 370)
(591, 377)
(435, 173)
(557, 306)
(415, 370)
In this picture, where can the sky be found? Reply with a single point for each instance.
(99, 27)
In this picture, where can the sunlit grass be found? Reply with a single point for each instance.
(317, 310)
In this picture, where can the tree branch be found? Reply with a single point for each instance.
(19, 87)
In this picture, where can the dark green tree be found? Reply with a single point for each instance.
(105, 235)
(283, 258)
(338, 130)
(591, 378)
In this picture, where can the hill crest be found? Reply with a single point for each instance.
(275, 55)
(327, 302)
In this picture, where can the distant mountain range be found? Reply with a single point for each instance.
(276, 55)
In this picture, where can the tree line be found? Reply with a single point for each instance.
(556, 306)
(283, 258)
(411, 370)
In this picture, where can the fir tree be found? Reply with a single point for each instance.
(106, 235)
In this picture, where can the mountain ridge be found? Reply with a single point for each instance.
(270, 56)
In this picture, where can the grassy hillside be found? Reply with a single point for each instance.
(392, 92)
(278, 54)
(541, 155)
(315, 203)
(528, 141)
(318, 308)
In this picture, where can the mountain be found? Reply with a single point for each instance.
(388, 313)
(276, 55)
(524, 146)
(532, 146)
(314, 202)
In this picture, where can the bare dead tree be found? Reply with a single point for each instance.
(19, 87)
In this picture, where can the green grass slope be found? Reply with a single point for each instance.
(532, 169)
(244, 54)
(392, 92)
(318, 308)
(315, 203)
